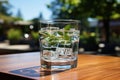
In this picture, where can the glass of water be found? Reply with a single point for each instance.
(59, 44)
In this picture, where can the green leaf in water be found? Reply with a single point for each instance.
(67, 27)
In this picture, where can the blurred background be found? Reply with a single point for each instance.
(99, 30)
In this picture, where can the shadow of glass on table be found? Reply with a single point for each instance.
(34, 72)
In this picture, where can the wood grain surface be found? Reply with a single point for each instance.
(90, 67)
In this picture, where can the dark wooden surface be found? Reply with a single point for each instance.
(90, 67)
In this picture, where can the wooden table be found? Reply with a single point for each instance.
(90, 67)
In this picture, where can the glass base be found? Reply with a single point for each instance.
(58, 65)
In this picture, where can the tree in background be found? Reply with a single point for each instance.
(4, 8)
(36, 21)
(40, 17)
(5, 13)
(19, 15)
(83, 9)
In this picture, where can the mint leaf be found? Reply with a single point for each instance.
(67, 27)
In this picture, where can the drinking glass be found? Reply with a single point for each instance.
(59, 44)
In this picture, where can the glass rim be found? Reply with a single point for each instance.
(56, 21)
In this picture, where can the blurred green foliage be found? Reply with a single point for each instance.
(81, 9)
(9, 18)
(88, 38)
(5, 13)
(115, 38)
(104, 10)
(35, 35)
(5, 7)
(14, 34)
